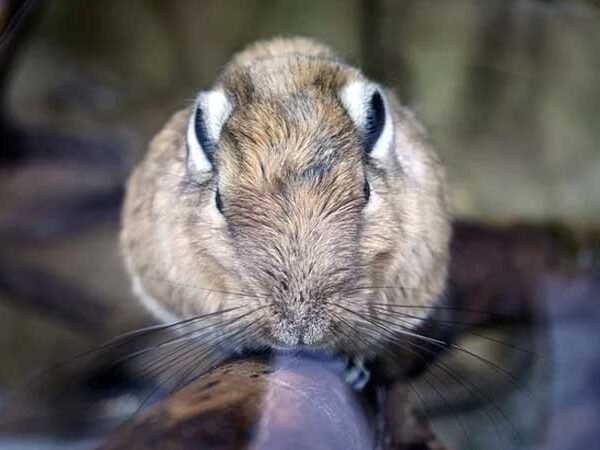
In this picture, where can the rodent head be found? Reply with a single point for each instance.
(309, 190)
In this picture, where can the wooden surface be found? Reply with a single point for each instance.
(283, 404)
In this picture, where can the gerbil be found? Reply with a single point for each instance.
(297, 197)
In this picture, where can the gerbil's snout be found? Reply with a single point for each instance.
(301, 298)
(300, 317)
(300, 260)
(298, 323)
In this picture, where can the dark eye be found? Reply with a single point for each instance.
(367, 191)
(218, 202)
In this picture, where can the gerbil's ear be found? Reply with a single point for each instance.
(211, 110)
(365, 104)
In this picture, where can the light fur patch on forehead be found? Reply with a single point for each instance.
(211, 110)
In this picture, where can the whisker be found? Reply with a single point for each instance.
(402, 343)
(501, 371)
(407, 330)
(196, 369)
(114, 344)
(194, 334)
(386, 350)
(444, 323)
(449, 323)
(478, 394)
(473, 390)
(11, 28)
(496, 368)
(239, 337)
(404, 331)
(448, 404)
(426, 410)
(479, 358)
(427, 307)
(445, 308)
(351, 337)
(192, 339)
(191, 286)
(204, 354)
(164, 366)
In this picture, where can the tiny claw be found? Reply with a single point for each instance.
(356, 374)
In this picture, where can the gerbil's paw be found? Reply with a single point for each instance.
(356, 374)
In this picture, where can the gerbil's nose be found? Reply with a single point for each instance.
(297, 324)
(292, 326)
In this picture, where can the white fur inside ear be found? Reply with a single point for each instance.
(356, 98)
(196, 155)
(215, 108)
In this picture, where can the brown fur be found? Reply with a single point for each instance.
(295, 239)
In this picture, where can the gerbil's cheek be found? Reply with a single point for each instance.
(375, 202)
(212, 210)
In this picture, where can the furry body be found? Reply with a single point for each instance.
(297, 190)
